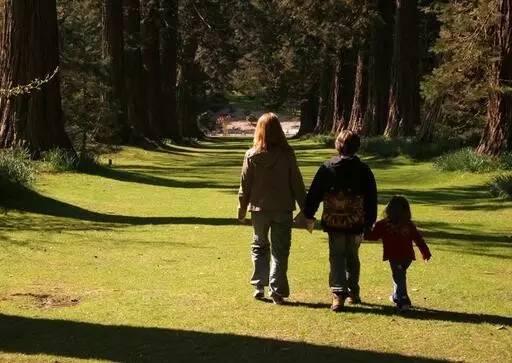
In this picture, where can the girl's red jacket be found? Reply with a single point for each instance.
(397, 240)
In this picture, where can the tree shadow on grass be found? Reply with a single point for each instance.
(31, 201)
(476, 197)
(21, 335)
(135, 177)
(417, 313)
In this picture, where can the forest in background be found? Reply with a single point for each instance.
(78, 72)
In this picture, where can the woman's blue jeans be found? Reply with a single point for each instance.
(270, 255)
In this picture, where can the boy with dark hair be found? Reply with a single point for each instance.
(348, 190)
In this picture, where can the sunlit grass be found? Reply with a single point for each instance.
(152, 242)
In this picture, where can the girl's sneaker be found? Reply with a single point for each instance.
(403, 304)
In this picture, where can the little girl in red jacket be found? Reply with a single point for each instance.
(397, 232)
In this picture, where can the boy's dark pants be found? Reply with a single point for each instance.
(344, 261)
(399, 270)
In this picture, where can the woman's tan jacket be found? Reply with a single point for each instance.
(270, 181)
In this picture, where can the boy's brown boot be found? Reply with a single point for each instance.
(338, 300)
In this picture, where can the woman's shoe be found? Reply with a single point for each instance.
(277, 299)
(259, 293)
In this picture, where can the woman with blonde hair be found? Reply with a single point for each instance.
(270, 185)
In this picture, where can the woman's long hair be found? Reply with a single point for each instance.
(269, 134)
(398, 211)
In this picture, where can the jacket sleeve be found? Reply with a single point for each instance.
(370, 201)
(316, 193)
(420, 243)
(244, 192)
(375, 234)
(297, 183)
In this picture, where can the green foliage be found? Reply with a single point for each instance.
(16, 167)
(84, 74)
(465, 54)
(60, 160)
(501, 186)
(390, 148)
(321, 139)
(385, 147)
(468, 159)
(285, 45)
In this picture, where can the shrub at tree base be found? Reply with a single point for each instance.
(62, 160)
(16, 167)
(501, 186)
(469, 160)
(390, 148)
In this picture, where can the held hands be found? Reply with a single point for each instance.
(310, 225)
(427, 257)
(241, 216)
(301, 221)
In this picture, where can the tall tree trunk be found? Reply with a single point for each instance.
(324, 97)
(345, 90)
(308, 112)
(169, 68)
(337, 108)
(189, 90)
(113, 53)
(357, 122)
(379, 68)
(497, 135)
(151, 62)
(30, 50)
(432, 114)
(404, 96)
(135, 83)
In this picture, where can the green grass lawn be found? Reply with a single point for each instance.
(145, 261)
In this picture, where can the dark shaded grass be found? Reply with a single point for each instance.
(71, 339)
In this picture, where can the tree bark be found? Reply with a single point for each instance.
(379, 68)
(169, 68)
(357, 121)
(151, 66)
(189, 84)
(308, 112)
(113, 54)
(345, 89)
(136, 96)
(404, 96)
(30, 50)
(497, 135)
(324, 98)
(431, 117)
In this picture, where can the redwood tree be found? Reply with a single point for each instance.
(30, 50)
(113, 53)
(171, 126)
(151, 61)
(357, 116)
(379, 67)
(404, 96)
(497, 135)
(134, 76)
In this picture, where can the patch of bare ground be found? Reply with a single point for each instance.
(44, 300)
